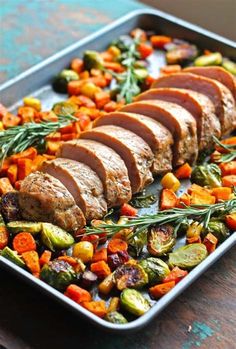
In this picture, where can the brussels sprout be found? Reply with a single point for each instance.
(18, 226)
(187, 257)
(137, 243)
(61, 80)
(183, 227)
(161, 240)
(218, 229)
(55, 238)
(9, 207)
(155, 268)
(64, 108)
(134, 302)
(140, 73)
(115, 318)
(130, 275)
(58, 274)
(92, 60)
(123, 43)
(214, 58)
(181, 53)
(229, 65)
(12, 256)
(207, 175)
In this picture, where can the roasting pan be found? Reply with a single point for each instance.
(37, 80)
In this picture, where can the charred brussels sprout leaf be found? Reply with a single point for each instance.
(92, 60)
(218, 229)
(130, 275)
(12, 256)
(30, 227)
(116, 318)
(161, 240)
(9, 207)
(137, 243)
(155, 268)
(134, 302)
(61, 80)
(55, 238)
(140, 201)
(58, 274)
(188, 257)
(207, 175)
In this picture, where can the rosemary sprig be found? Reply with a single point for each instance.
(231, 151)
(202, 213)
(19, 138)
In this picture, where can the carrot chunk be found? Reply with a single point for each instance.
(24, 168)
(96, 307)
(77, 294)
(210, 241)
(45, 257)
(100, 255)
(128, 210)
(24, 242)
(12, 173)
(93, 238)
(160, 290)
(168, 199)
(229, 181)
(175, 275)
(184, 171)
(159, 41)
(221, 193)
(116, 245)
(101, 269)
(231, 221)
(228, 168)
(31, 259)
(10, 120)
(29, 153)
(145, 50)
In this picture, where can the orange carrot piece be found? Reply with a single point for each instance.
(96, 307)
(184, 171)
(27, 114)
(231, 221)
(145, 50)
(45, 257)
(227, 141)
(84, 75)
(229, 181)
(221, 193)
(128, 210)
(84, 122)
(77, 294)
(24, 242)
(31, 259)
(93, 238)
(168, 199)
(17, 185)
(10, 120)
(114, 66)
(69, 136)
(24, 168)
(107, 56)
(54, 136)
(159, 41)
(108, 78)
(70, 260)
(200, 195)
(5, 166)
(160, 290)
(5, 185)
(100, 255)
(101, 269)
(77, 65)
(140, 33)
(37, 162)
(29, 153)
(73, 87)
(175, 275)
(84, 101)
(193, 240)
(99, 81)
(110, 106)
(67, 129)
(228, 168)
(210, 241)
(116, 245)
(4, 237)
(184, 200)
(12, 173)
(52, 147)
(170, 69)
(102, 98)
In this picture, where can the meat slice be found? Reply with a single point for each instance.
(44, 198)
(135, 152)
(178, 120)
(157, 136)
(108, 165)
(199, 105)
(220, 96)
(83, 184)
(216, 73)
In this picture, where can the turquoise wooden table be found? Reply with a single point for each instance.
(203, 317)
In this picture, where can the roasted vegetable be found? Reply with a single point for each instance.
(170, 181)
(207, 175)
(61, 80)
(30, 227)
(130, 275)
(55, 238)
(88, 279)
(58, 274)
(161, 240)
(160, 290)
(218, 229)
(214, 58)
(180, 52)
(83, 250)
(12, 256)
(188, 257)
(137, 243)
(229, 65)
(92, 60)
(64, 108)
(155, 268)
(115, 260)
(141, 200)
(123, 43)
(2, 223)
(115, 318)
(134, 302)
(9, 207)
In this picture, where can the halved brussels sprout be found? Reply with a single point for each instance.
(64, 108)
(214, 58)
(137, 243)
(229, 65)
(18, 226)
(207, 175)
(218, 229)
(116, 318)
(55, 238)
(130, 275)
(134, 302)
(188, 257)
(155, 268)
(12, 256)
(61, 80)
(161, 240)
(92, 60)
(58, 274)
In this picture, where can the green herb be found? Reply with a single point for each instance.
(141, 201)
(19, 138)
(202, 213)
(231, 149)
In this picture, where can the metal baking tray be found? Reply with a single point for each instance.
(37, 81)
